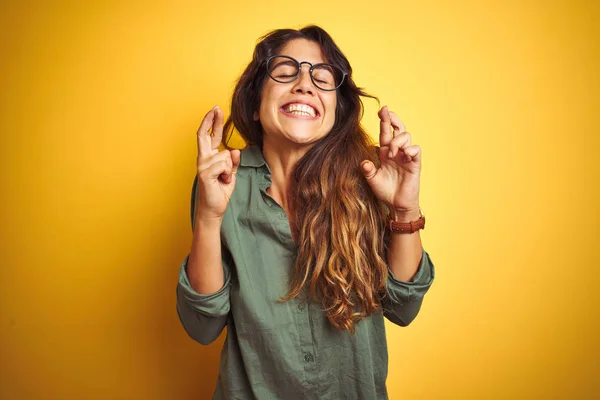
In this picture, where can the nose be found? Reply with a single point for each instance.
(303, 84)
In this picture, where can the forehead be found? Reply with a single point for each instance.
(303, 50)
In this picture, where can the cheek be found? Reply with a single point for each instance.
(268, 101)
(264, 98)
(264, 110)
(332, 107)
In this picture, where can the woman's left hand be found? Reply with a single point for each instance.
(396, 181)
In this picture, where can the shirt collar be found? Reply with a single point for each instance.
(252, 156)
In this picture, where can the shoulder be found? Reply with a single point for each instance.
(252, 175)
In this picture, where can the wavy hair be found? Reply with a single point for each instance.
(339, 223)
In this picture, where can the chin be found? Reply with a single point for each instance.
(295, 136)
(303, 136)
(303, 140)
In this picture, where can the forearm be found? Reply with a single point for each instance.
(405, 249)
(204, 267)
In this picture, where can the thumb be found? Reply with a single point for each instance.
(234, 156)
(235, 160)
(369, 169)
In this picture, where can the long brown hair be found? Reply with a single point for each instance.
(339, 222)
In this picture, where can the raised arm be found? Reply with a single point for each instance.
(203, 287)
(396, 182)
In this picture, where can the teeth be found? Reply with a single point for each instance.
(295, 112)
(300, 109)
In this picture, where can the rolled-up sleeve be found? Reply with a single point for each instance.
(203, 316)
(404, 299)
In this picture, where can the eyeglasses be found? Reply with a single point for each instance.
(285, 69)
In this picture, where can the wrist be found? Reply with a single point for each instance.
(405, 215)
(208, 222)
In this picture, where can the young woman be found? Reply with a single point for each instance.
(306, 239)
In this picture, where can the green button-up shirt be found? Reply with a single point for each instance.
(285, 350)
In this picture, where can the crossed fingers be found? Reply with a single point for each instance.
(210, 133)
(394, 139)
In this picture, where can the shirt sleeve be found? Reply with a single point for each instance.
(203, 316)
(404, 299)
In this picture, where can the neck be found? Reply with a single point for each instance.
(282, 160)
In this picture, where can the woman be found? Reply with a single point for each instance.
(292, 248)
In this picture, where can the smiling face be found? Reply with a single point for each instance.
(297, 113)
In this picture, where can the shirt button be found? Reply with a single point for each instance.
(283, 216)
(308, 357)
(301, 306)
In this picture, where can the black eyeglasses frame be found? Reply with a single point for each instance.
(310, 71)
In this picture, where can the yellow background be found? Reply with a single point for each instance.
(99, 104)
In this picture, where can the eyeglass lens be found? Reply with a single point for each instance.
(324, 76)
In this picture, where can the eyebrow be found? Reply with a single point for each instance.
(311, 63)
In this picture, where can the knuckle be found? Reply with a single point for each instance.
(222, 164)
(203, 175)
(223, 156)
(201, 164)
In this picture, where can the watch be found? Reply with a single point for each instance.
(408, 227)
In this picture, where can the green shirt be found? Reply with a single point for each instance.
(285, 350)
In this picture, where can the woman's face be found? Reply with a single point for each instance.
(297, 113)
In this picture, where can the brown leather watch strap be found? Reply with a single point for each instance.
(407, 227)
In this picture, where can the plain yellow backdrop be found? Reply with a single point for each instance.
(99, 104)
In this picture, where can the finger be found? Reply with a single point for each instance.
(217, 128)
(207, 122)
(397, 124)
(399, 143)
(204, 141)
(228, 175)
(385, 129)
(205, 162)
(413, 153)
(217, 169)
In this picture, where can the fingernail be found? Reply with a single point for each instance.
(390, 154)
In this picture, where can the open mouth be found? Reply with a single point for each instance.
(301, 110)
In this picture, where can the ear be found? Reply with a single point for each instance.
(256, 116)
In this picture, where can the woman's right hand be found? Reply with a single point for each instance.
(216, 169)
